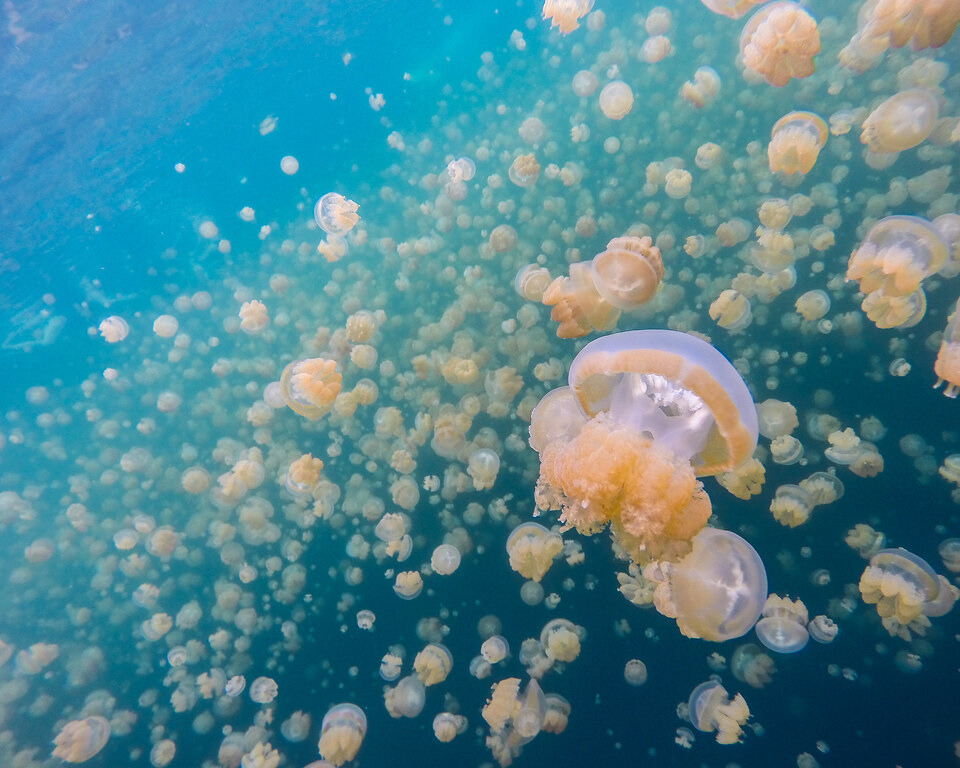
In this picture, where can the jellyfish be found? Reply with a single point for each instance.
(341, 733)
(524, 171)
(532, 549)
(79, 740)
(483, 466)
(900, 584)
(947, 364)
(901, 122)
(560, 640)
(263, 690)
(783, 628)
(779, 42)
(445, 559)
(335, 215)
(711, 709)
(494, 649)
(531, 282)
(253, 317)
(751, 665)
(662, 407)
(775, 418)
(703, 89)
(731, 311)
(795, 142)
(822, 629)
(447, 726)
(733, 9)
(502, 704)
(791, 505)
(616, 99)
(408, 584)
(433, 664)
(310, 386)
(635, 672)
(896, 255)
(717, 591)
(114, 329)
(813, 305)
(566, 14)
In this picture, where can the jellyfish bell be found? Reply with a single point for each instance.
(901, 122)
(80, 740)
(628, 272)
(947, 364)
(335, 214)
(310, 386)
(896, 255)
(717, 591)
(795, 142)
(341, 733)
(783, 628)
(779, 42)
(406, 698)
(733, 9)
(566, 14)
(900, 583)
(711, 709)
(532, 549)
(616, 99)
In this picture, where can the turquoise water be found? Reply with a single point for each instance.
(104, 101)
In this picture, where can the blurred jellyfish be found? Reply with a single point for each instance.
(779, 42)
(335, 215)
(783, 627)
(822, 629)
(731, 311)
(433, 664)
(566, 14)
(901, 122)
(616, 99)
(751, 665)
(662, 408)
(711, 709)
(445, 559)
(263, 690)
(495, 649)
(795, 142)
(406, 698)
(717, 591)
(296, 728)
(703, 89)
(408, 584)
(79, 740)
(560, 639)
(114, 329)
(947, 364)
(732, 8)
(341, 733)
(524, 171)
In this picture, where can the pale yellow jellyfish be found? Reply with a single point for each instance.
(335, 215)
(303, 474)
(813, 305)
(865, 540)
(717, 591)
(114, 329)
(896, 255)
(445, 559)
(494, 649)
(310, 386)
(560, 639)
(751, 665)
(919, 23)
(566, 14)
(433, 664)
(408, 584)
(779, 42)
(531, 282)
(776, 418)
(79, 740)
(947, 364)
(732, 8)
(731, 310)
(791, 505)
(406, 698)
(524, 171)
(711, 709)
(662, 407)
(635, 672)
(901, 122)
(795, 142)
(532, 549)
(446, 726)
(503, 704)
(783, 627)
(341, 733)
(253, 317)
(616, 99)
(703, 89)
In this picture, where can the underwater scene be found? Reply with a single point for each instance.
(437, 383)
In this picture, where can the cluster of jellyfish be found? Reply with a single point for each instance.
(368, 413)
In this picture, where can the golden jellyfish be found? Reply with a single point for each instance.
(494, 649)
(662, 407)
(310, 386)
(779, 42)
(532, 549)
(919, 23)
(711, 709)
(900, 584)
(253, 317)
(677, 183)
(445, 559)
(335, 214)
(702, 89)
(896, 255)
(578, 306)
(655, 49)
(566, 14)
(616, 99)
(813, 305)
(79, 740)
(795, 142)
(341, 733)
(895, 311)
(783, 628)
(717, 591)
(901, 122)
(635, 672)
(731, 310)
(628, 272)
(560, 639)
(947, 364)
(775, 418)
(531, 282)
(948, 225)
(483, 466)
(408, 584)
(447, 726)
(524, 170)
(433, 664)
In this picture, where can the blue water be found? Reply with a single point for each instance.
(103, 100)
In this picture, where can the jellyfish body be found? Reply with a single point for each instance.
(616, 99)
(702, 90)
(341, 733)
(900, 583)
(795, 142)
(658, 408)
(566, 14)
(335, 215)
(901, 122)
(532, 548)
(711, 709)
(79, 740)
(310, 386)
(947, 364)
(733, 9)
(779, 42)
(717, 591)
(783, 628)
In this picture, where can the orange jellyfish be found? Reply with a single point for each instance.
(310, 386)
(703, 89)
(795, 142)
(731, 8)
(79, 740)
(717, 591)
(779, 42)
(903, 121)
(658, 408)
(566, 14)
(921, 23)
(896, 255)
(947, 365)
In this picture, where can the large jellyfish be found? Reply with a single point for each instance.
(646, 412)
(79, 740)
(947, 365)
(566, 14)
(779, 42)
(901, 122)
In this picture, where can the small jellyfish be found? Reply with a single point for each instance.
(717, 591)
(524, 170)
(947, 364)
(566, 14)
(253, 317)
(731, 311)
(560, 639)
(779, 42)
(341, 733)
(751, 665)
(901, 122)
(79, 740)
(531, 282)
(406, 698)
(776, 418)
(335, 215)
(783, 628)
(263, 690)
(616, 99)
(628, 272)
(310, 386)
(823, 629)
(813, 305)
(711, 709)
(114, 329)
(483, 466)
(791, 505)
(390, 667)
(494, 649)
(635, 672)
(532, 549)
(445, 559)
(703, 89)
(408, 584)
(446, 726)
(896, 255)
(433, 664)
(795, 142)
